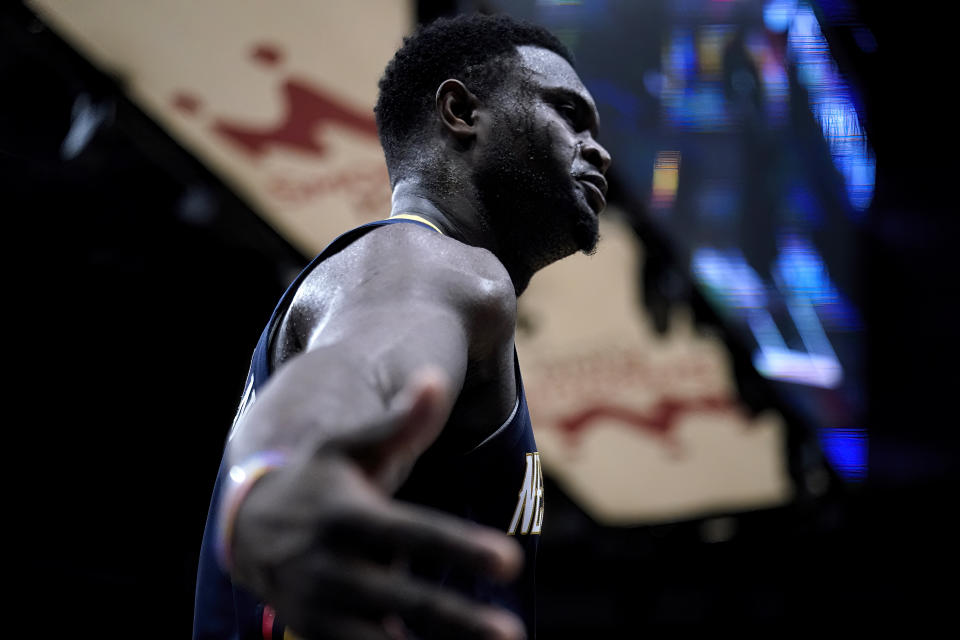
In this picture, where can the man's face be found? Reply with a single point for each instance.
(541, 177)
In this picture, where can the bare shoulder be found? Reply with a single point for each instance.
(409, 270)
(437, 259)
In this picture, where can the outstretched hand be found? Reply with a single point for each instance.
(322, 540)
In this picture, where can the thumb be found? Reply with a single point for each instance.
(419, 414)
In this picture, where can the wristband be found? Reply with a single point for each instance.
(237, 484)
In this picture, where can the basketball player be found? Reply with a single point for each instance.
(384, 482)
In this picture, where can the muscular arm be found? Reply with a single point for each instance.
(399, 300)
(388, 333)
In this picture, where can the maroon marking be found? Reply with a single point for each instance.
(659, 421)
(367, 188)
(308, 109)
(186, 103)
(266, 54)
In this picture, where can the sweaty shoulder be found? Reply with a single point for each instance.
(413, 271)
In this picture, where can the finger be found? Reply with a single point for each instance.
(315, 599)
(359, 591)
(425, 535)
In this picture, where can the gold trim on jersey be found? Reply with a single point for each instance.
(410, 216)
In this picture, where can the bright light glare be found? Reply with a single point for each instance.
(238, 475)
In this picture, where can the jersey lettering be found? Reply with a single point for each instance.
(530, 501)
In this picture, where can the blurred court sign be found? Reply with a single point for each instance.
(276, 97)
(638, 428)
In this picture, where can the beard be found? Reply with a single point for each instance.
(532, 204)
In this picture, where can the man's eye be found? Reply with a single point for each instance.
(568, 111)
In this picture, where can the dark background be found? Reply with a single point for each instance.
(140, 284)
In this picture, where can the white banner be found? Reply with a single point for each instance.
(638, 427)
(276, 97)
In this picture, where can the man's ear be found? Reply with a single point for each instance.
(457, 108)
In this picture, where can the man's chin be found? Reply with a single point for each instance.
(587, 233)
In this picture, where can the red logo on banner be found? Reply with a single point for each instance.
(308, 109)
(660, 421)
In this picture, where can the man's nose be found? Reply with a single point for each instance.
(594, 153)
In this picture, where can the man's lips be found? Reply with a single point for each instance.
(595, 184)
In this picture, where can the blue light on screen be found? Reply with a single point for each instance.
(832, 105)
(778, 14)
(802, 273)
(728, 279)
(846, 450)
(689, 101)
(739, 291)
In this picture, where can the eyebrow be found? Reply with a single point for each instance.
(581, 103)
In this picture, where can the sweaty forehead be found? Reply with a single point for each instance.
(551, 70)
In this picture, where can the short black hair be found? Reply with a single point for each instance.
(466, 47)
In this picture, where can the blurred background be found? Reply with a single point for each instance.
(744, 401)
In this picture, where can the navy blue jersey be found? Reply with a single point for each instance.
(498, 483)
